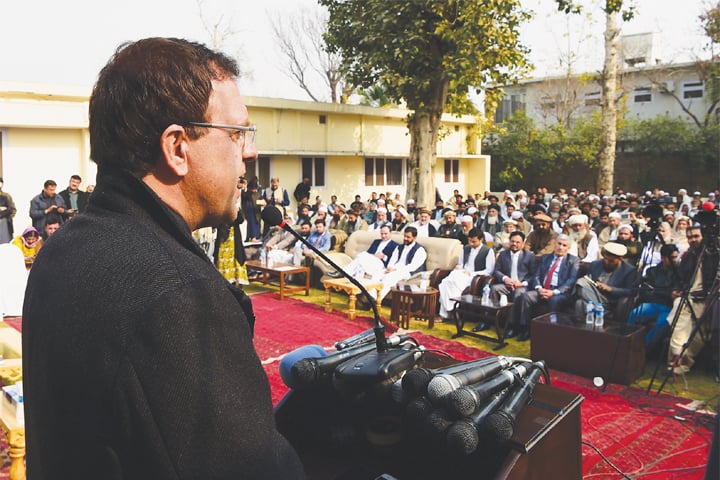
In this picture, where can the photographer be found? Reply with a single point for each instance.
(698, 282)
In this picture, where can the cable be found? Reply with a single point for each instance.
(605, 459)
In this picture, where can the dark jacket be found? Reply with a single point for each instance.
(623, 281)
(526, 266)
(567, 276)
(141, 364)
(82, 201)
(708, 269)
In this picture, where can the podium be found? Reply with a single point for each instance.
(340, 437)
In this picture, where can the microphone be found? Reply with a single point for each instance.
(463, 436)
(501, 423)
(359, 339)
(308, 371)
(291, 358)
(415, 381)
(273, 217)
(444, 383)
(466, 400)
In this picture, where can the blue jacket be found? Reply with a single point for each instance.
(567, 275)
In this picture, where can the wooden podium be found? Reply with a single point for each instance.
(368, 435)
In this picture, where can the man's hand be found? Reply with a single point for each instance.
(546, 294)
(603, 287)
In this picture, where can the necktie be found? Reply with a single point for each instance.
(513, 265)
(548, 279)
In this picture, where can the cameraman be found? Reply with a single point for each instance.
(656, 297)
(698, 288)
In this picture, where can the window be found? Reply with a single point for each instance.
(592, 98)
(383, 171)
(692, 89)
(314, 169)
(642, 95)
(451, 171)
(508, 106)
(259, 168)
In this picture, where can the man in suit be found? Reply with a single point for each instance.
(476, 259)
(607, 281)
(552, 284)
(513, 274)
(375, 259)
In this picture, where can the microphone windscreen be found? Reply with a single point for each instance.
(291, 358)
(271, 216)
(462, 437)
(499, 425)
(462, 401)
(416, 380)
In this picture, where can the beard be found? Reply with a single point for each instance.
(579, 235)
(491, 220)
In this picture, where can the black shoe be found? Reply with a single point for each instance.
(481, 326)
(524, 336)
(510, 333)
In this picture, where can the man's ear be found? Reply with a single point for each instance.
(174, 148)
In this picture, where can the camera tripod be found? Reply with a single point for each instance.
(699, 323)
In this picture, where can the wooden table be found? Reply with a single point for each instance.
(614, 352)
(281, 270)
(344, 285)
(471, 307)
(413, 301)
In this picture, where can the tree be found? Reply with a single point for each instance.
(427, 53)
(612, 9)
(221, 33)
(300, 40)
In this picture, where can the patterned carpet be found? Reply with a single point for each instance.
(639, 434)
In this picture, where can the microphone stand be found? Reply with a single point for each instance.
(379, 328)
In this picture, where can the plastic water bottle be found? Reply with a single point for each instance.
(424, 281)
(599, 315)
(485, 295)
(297, 254)
(590, 314)
(263, 256)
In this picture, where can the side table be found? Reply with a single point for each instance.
(412, 301)
(471, 307)
(344, 285)
(281, 270)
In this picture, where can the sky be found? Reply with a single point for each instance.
(68, 42)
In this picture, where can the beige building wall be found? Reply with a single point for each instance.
(43, 135)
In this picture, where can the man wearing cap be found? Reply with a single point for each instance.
(551, 284)
(424, 225)
(352, 222)
(412, 211)
(450, 229)
(584, 241)
(475, 259)
(381, 218)
(502, 239)
(522, 224)
(541, 241)
(482, 206)
(610, 232)
(608, 280)
(626, 236)
(399, 221)
(493, 222)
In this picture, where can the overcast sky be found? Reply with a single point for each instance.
(68, 42)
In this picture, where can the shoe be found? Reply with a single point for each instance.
(334, 274)
(481, 326)
(524, 336)
(510, 333)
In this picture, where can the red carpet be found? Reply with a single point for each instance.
(637, 433)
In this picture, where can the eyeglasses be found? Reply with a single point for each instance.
(245, 133)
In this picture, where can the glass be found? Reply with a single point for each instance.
(245, 133)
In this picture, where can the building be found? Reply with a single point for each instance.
(344, 149)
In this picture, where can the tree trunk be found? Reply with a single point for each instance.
(423, 129)
(609, 109)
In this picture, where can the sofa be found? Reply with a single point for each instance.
(443, 253)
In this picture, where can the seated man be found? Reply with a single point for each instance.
(656, 297)
(352, 222)
(552, 285)
(374, 261)
(450, 229)
(381, 218)
(513, 274)
(320, 238)
(424, 225)
(626, 236)
(475, 259)
(584, 241)
(29, 244)
(279, 246)
(502, 239)
(608, 280)
(407, 260)
(541, 241)
(399, 221)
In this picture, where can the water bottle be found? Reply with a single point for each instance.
(424, 281)
(590, 314)
(599, 315)
(297, 254)
(486, 295)
(263, 256)
(503, 300)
